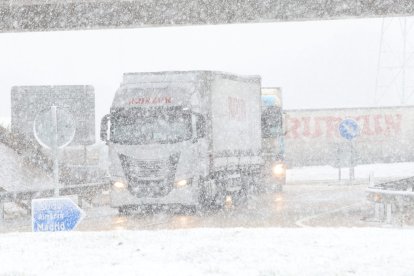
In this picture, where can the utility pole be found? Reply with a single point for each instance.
(394, 82)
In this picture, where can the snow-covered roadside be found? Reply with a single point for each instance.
(378, 171)
(271, 251)
(15, 175)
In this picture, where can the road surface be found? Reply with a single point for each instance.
(323, 205)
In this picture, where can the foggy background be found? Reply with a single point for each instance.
(317, 63)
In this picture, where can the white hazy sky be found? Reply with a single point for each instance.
(317, 64)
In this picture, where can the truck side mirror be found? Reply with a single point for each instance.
(200, 126)
(104, 128)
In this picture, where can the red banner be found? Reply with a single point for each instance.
(299, 127)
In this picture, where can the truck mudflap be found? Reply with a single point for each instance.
(274, 185)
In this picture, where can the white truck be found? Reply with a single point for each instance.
(273, 144)
(183, 138)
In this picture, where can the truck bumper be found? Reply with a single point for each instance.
(183, 196)
(273, 184)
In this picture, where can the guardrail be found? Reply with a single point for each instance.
(83, 191)
(391, 197)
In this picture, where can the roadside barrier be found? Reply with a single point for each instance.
(393, 197)
(83, 191)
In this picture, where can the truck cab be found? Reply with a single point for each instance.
(273, 149)
(182, 138)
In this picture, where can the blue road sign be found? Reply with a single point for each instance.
(349, 129)
(55, 214)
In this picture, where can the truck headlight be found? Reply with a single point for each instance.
(120, 185)
(279, 170)
(377, 198)
(182, 183)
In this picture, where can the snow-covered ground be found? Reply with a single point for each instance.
(237, 251)
(15, 175)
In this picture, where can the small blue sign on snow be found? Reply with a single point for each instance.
(349, 129)
(55, 215)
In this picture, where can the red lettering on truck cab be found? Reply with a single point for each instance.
(150, 100)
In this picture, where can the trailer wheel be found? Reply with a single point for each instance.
(279, 188)
(257, 183)
(240, 197)
(202, 203)
(219, 200)
(204, 199)
(124, 211)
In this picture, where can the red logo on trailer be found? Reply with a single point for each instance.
(237, 109)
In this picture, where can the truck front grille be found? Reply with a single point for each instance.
(138, 172)
(142, 168)
(149, 188)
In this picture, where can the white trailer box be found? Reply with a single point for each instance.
(182, 137)
(313, 136)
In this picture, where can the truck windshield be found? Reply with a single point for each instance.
(160, 125)
(271, 122)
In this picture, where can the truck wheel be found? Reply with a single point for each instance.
(279, 188)
(203, 201)
(124, 211)
(240, 197)
(220, 197)
(199, 209)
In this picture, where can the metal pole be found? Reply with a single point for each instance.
(1, 212)
(376, 95)
(352, 173)
(404, 60)
(339, 173)
(338, 159)
(371, 179)
(389, 213)
(55, 150)
(377, 211)
(352, 167)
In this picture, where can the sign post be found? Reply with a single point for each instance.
(349, 129)
(55, 150)
(54, 129)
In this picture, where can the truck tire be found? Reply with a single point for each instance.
(279, 188)
(240, 197)
(204, 198)
(219, 200)
(124, 211)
